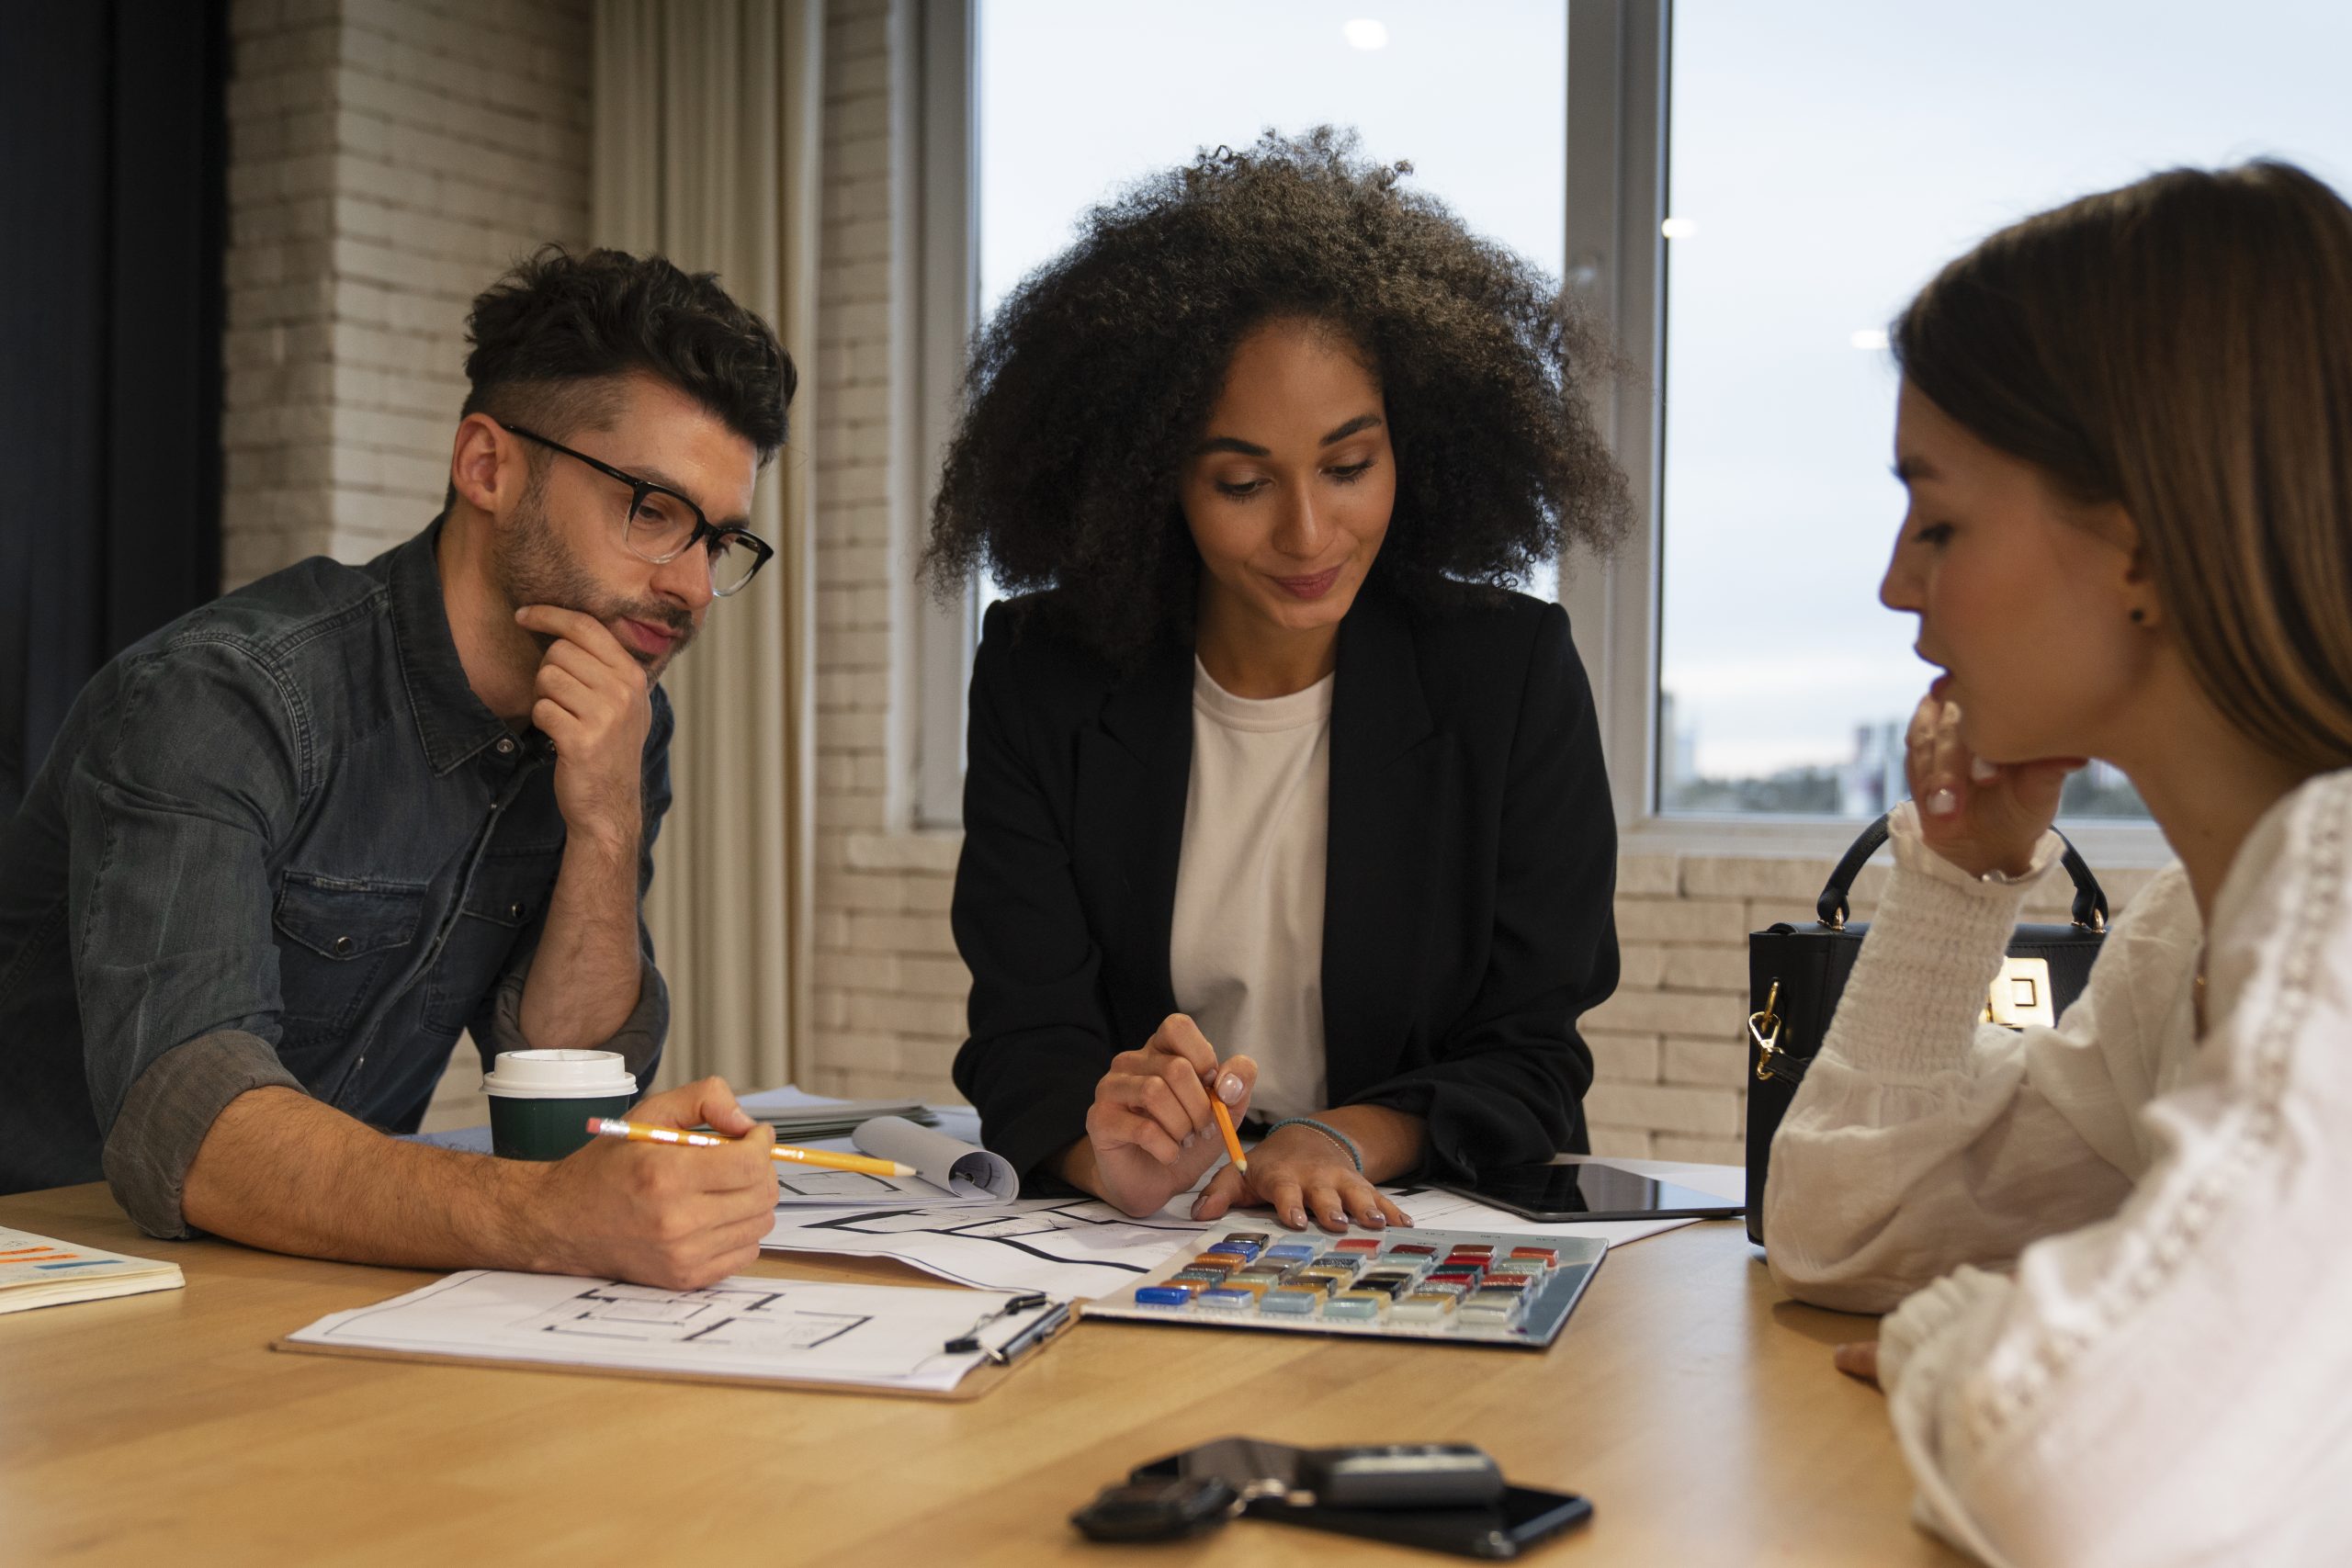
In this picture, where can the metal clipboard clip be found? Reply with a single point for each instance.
(1047, 1324)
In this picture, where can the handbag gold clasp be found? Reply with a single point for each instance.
(2019, 995)
(1765, 1028)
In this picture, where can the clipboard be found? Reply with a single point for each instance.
(1032, 1330)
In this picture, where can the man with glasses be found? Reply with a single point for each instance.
(288, 847)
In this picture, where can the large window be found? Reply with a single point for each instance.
(1076, 98)
(1073, 99)
(1825, 157)
(1757, 189)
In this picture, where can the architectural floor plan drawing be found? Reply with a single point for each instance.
(1082, 1246)
(839, 1187)
(741, 1328)
(1078, 1246)
(763, 1319)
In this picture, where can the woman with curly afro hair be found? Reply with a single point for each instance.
(1275, 791)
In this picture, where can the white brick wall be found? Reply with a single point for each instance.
(387, 159)
(889, 989)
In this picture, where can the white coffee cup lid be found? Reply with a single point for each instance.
(558, 1075)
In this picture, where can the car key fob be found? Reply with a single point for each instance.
(1400, 1475)
(1158, 1509)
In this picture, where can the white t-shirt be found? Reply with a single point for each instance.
(1246, 948)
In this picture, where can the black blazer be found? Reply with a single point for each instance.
(1467, 901)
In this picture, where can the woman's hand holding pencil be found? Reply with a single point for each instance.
(1153, 1129)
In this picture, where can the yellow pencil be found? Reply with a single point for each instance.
(1232, 1138)
(606, 1127)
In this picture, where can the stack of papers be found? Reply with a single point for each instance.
(36, 1271)
(800, 1118)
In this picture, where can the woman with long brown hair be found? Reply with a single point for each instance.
(2115, 1249)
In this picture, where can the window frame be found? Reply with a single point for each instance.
(1618, 103)
(947, 310)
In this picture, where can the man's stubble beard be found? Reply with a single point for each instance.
(534, 566)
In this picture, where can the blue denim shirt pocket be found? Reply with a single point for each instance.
(509, 895)
(336, 935)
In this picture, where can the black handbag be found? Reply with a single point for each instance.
(1794, 977)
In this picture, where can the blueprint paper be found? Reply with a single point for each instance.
(1083, 1247)
(744, 1326)
(1066, 1245)
(949, 1173)
(798, 1117)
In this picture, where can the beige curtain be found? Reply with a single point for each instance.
(707, 133)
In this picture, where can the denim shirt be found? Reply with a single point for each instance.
(279, 841)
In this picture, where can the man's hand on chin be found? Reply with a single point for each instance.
(594, 703)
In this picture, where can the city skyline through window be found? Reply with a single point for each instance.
(1824, 160)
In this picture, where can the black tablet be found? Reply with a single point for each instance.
(1591, 1191)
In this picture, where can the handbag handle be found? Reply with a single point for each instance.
(2090, 900)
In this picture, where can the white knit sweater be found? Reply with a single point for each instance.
(2124, 1256)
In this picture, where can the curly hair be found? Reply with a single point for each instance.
(1090, 384)
(551, 338)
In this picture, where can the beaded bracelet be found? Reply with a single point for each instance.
(1327, 1130)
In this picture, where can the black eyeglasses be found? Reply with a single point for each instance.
(660, 524)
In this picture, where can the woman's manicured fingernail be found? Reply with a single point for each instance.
(1188, 1140)
(1951, 713)
(1982, 771)
(1376, 1221)
(1229, 1089)
(1297, 1218)
(1942, 803)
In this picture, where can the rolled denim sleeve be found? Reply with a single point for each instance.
(171, 812)
(168, 1112)
(498, 1026)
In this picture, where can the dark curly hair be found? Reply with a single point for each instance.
(1095, 377)
(550, 338)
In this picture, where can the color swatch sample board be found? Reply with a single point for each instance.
(1460, 1287)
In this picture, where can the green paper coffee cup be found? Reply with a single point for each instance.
(540, 1100)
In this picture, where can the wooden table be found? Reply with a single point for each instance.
(1697, 1410)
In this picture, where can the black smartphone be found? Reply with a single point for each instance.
(1499, 1527)
(1590, 1191)
(1522, 1517)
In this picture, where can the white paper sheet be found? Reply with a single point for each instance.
(1082, 1246)
(798, 1117)
(789, 1330)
